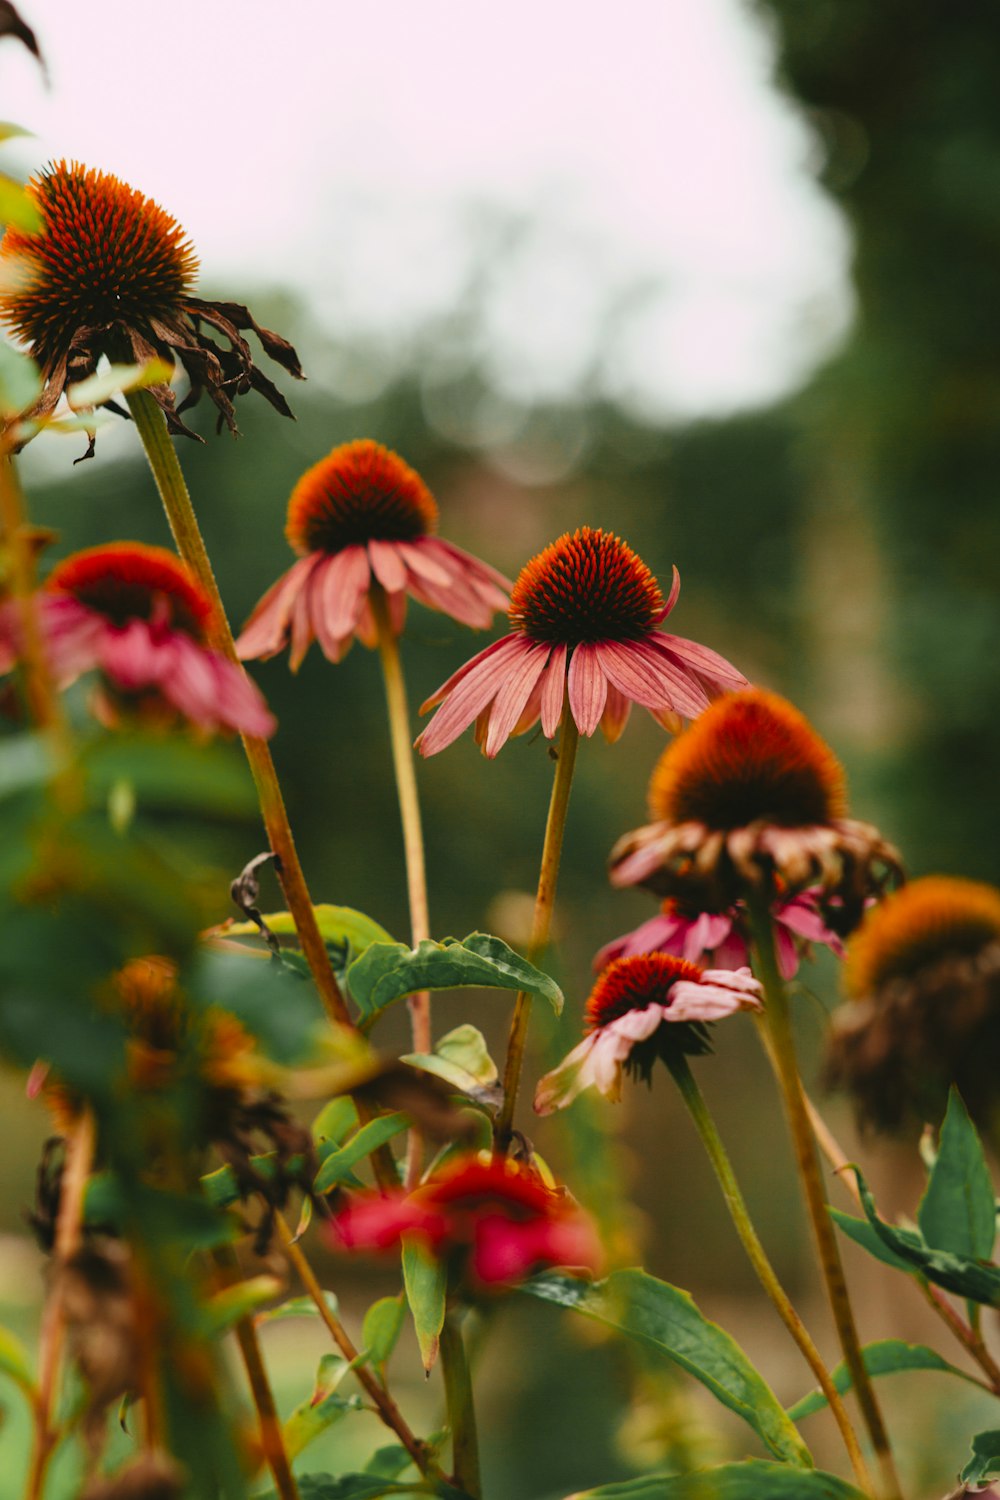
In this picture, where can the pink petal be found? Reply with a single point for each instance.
(672, 597)
(707, 932)
(636, 670)
(130, 656)
(190, 683)
(302, 630)
(679, 687)
(661, 934)
(472, 568)
(553, 691)
(455, 599)
(636, 1025)
(801, 916)
(344, 585)
(571, 1077)
(786, 953)
(425, 561)
(477, 684)
(266, 631)
(239, 703)
(588, 688)
(510, 701)
(615, 715)
(388, 566)
(456, 677)
(379, 1221)
(712, 997)
(707, 663)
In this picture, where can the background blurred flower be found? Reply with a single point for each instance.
(136, 614)
(111, 274)
(361, 519)
(584, 612)
(923, 981)
(643, 1007)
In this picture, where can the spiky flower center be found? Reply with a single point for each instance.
(749, 756)
(107, 254)
(361, 492)
(635, 983)
(929, 919)
(586, 586)
(129, 581)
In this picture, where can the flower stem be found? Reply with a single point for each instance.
(718, 1156)
(461, 1411)
(541, 924)
(159, 449)
(777, 1021)
(383, 1402)
(271, 1436)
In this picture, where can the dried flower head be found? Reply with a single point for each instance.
(494, 1222)
(137, 615)
(585, 615)
(362, 519)
(923, 980)
(644, 1007)
(112, 274)
(750, 798)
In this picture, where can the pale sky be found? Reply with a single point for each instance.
(343, 150)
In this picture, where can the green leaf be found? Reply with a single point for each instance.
(887, 1357)
(984, 1464)
(382, 1326)
(958, 1210)
(337, 1166)
(313, 1417)
(341, 925)
(14, 1361)
(426, 1283)
(755, 1479)
(172, 775)
(298, 1307)
(466, 1047)
(16, 207)
(388, 971)
(862, 1233)
(225, 1309)
(666, 1319)
(966, 1278)
(276, 1007)
(336, 1120)
(389, 1462)
(368, 1487)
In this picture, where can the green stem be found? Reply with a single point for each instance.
(159, 449)
(781, 1051)
(541, 925)
(461, 1411)
(718, 1156)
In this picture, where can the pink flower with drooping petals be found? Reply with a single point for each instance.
(585, 614)
(136, 614)
(495, 1221)
(361, 519)
(720, 938)
(643, 1007)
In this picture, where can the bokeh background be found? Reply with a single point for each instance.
(722, 277)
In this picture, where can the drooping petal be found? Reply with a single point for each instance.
(509, 703)
(333, 647)
(672, 597)
(588, 688)
(553, 691)
(561, 1086)
(266, 631)
(706, 662)
(674, 685)
(719, 992)
(345, 581)
(785, 952)
(301, 622)
(615, 715)
(477, 685)
(387, 565)
(448, 687)
(239, 703)
(661, 934)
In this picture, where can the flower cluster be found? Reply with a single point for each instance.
(494, 1222)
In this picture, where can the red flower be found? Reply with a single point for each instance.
(361, 519)
(137, 615)
(584, 613)
(496, 1221)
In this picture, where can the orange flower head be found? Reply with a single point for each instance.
(930, 919)
(361, 492)
(749, 757)
(128, 581)
(586, 586)
(635, 983)
(107, 254)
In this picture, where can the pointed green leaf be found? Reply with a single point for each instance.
(862, 1233)
(756, 1479)
(887, 1357)
(958, 1210)
(466, 1047)
(337, 924)
(666, 1319)
(984, 1464)
(966, 1278)
(227, 1307)
(382, 1327)
(297, 1307)
(389, 1462)
(14, 1361)
(425, 1280)
(313, 1417)
(337, 1166)
(388, 971)
(336, 1120)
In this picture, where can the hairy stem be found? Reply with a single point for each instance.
(383, 1402)
(461, 1411)
(718, 1156)
(541, 925)
(781, 1051)
(159, 449)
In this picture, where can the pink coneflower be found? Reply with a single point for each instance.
(494, 1221)
(721, 939)
(136, 614)
(644, 1007)
(362, 518)
(584, 614)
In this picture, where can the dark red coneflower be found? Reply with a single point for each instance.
(584, 614)
(112, 274)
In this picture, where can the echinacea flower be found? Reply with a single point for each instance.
(137, 615)
(749, 798)
(585, 614)
(923, 1011)
(721, 940)
(361, 519)
(493, 1221)
(643, 1007)
(112, 274)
